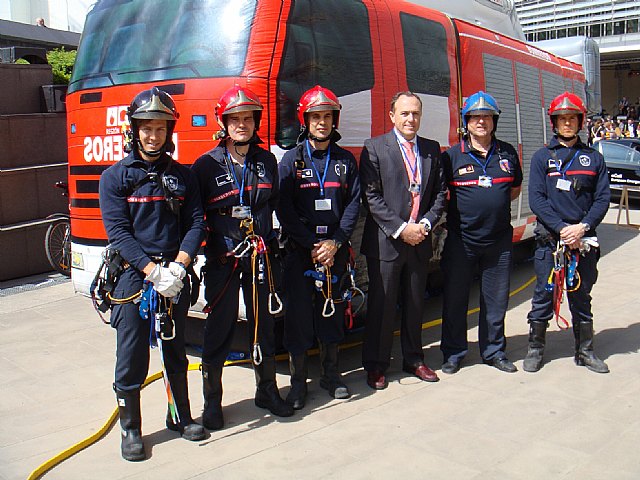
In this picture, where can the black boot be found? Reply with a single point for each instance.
(331, 380)
(267, 394)
(131, 446)
(189, 429)
(583, 332)
(533, 360)
(212, 388)
(297, 395)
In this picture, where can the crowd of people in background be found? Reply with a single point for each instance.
(622, 124)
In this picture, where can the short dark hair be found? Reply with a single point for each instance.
(406, 93)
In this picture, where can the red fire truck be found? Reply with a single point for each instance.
(363, 50)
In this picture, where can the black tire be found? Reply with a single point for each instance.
(57, 245)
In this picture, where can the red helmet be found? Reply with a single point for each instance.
(319, 99)
(565, 104)
(238, 99)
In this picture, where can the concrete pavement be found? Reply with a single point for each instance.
(56, 369)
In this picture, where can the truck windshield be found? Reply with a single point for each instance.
(133, 41)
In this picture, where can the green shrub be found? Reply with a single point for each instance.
(61, 62)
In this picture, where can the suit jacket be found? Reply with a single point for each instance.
(386, 196)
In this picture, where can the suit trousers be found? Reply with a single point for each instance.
(403, 279)
(460, 262)
(132, 332)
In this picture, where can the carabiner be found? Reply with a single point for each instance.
(329, 308)
(256, 354)
(277, 308)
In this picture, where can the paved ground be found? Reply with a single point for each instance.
(56, 367)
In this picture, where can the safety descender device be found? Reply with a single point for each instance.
(564, 276)
(261, 271)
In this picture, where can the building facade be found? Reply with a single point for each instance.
(614, 24)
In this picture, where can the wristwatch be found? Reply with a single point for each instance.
(337, 244)
(425, 223)
(587, 227)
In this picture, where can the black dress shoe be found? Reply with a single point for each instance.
(503, 364)
(450, 367)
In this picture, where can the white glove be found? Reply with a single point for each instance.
(178, 269)
(165, 282)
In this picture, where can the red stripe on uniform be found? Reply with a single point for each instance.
(144, 199)
(581, 172)
(326, 185)
(228, 194)
(467, 183)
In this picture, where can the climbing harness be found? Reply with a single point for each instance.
(105, 280)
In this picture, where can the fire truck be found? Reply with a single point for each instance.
(363, 50)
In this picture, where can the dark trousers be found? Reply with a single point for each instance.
(579, 301)
(303, 319)
(222, 292)
(459, 264)
(132, 332)
(403, 279)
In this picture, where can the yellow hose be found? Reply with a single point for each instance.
(90, 440)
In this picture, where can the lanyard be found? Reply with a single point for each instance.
(235, 178)
(326, 166)
(488, 157)
(563, 171)
(414, 168)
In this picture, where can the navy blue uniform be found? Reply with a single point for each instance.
(141, 227)
(304, 225)
(224, 274)
(479, 236)
(586, 201)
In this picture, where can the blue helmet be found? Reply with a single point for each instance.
(480, 103)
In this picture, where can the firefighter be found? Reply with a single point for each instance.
(153, 218)
(239, 187)
(569, 193)
(318, 210)
(484, 176)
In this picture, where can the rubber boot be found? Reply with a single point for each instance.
(267, 394)
(331, 380)
(212, 417)
(533, 360)
(131, 445)
(297, 395)
(189, 429)
(583, 332)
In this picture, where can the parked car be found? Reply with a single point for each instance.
(623, 164)
(627, 142)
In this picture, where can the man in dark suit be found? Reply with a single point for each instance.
(404, 193)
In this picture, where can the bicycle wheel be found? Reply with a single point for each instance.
(57, 245)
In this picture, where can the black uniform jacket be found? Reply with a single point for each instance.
(136, 217)
(587, 198)
(300, 189)
(220, 190)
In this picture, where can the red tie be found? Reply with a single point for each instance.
(411, 166)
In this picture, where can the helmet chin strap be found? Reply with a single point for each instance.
(152, 153)
(566, 139)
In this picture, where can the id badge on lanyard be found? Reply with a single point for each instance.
(563, 184)
(485, 181)
(241, 212)
(323, 204)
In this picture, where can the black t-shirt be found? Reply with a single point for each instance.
(481, 215)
